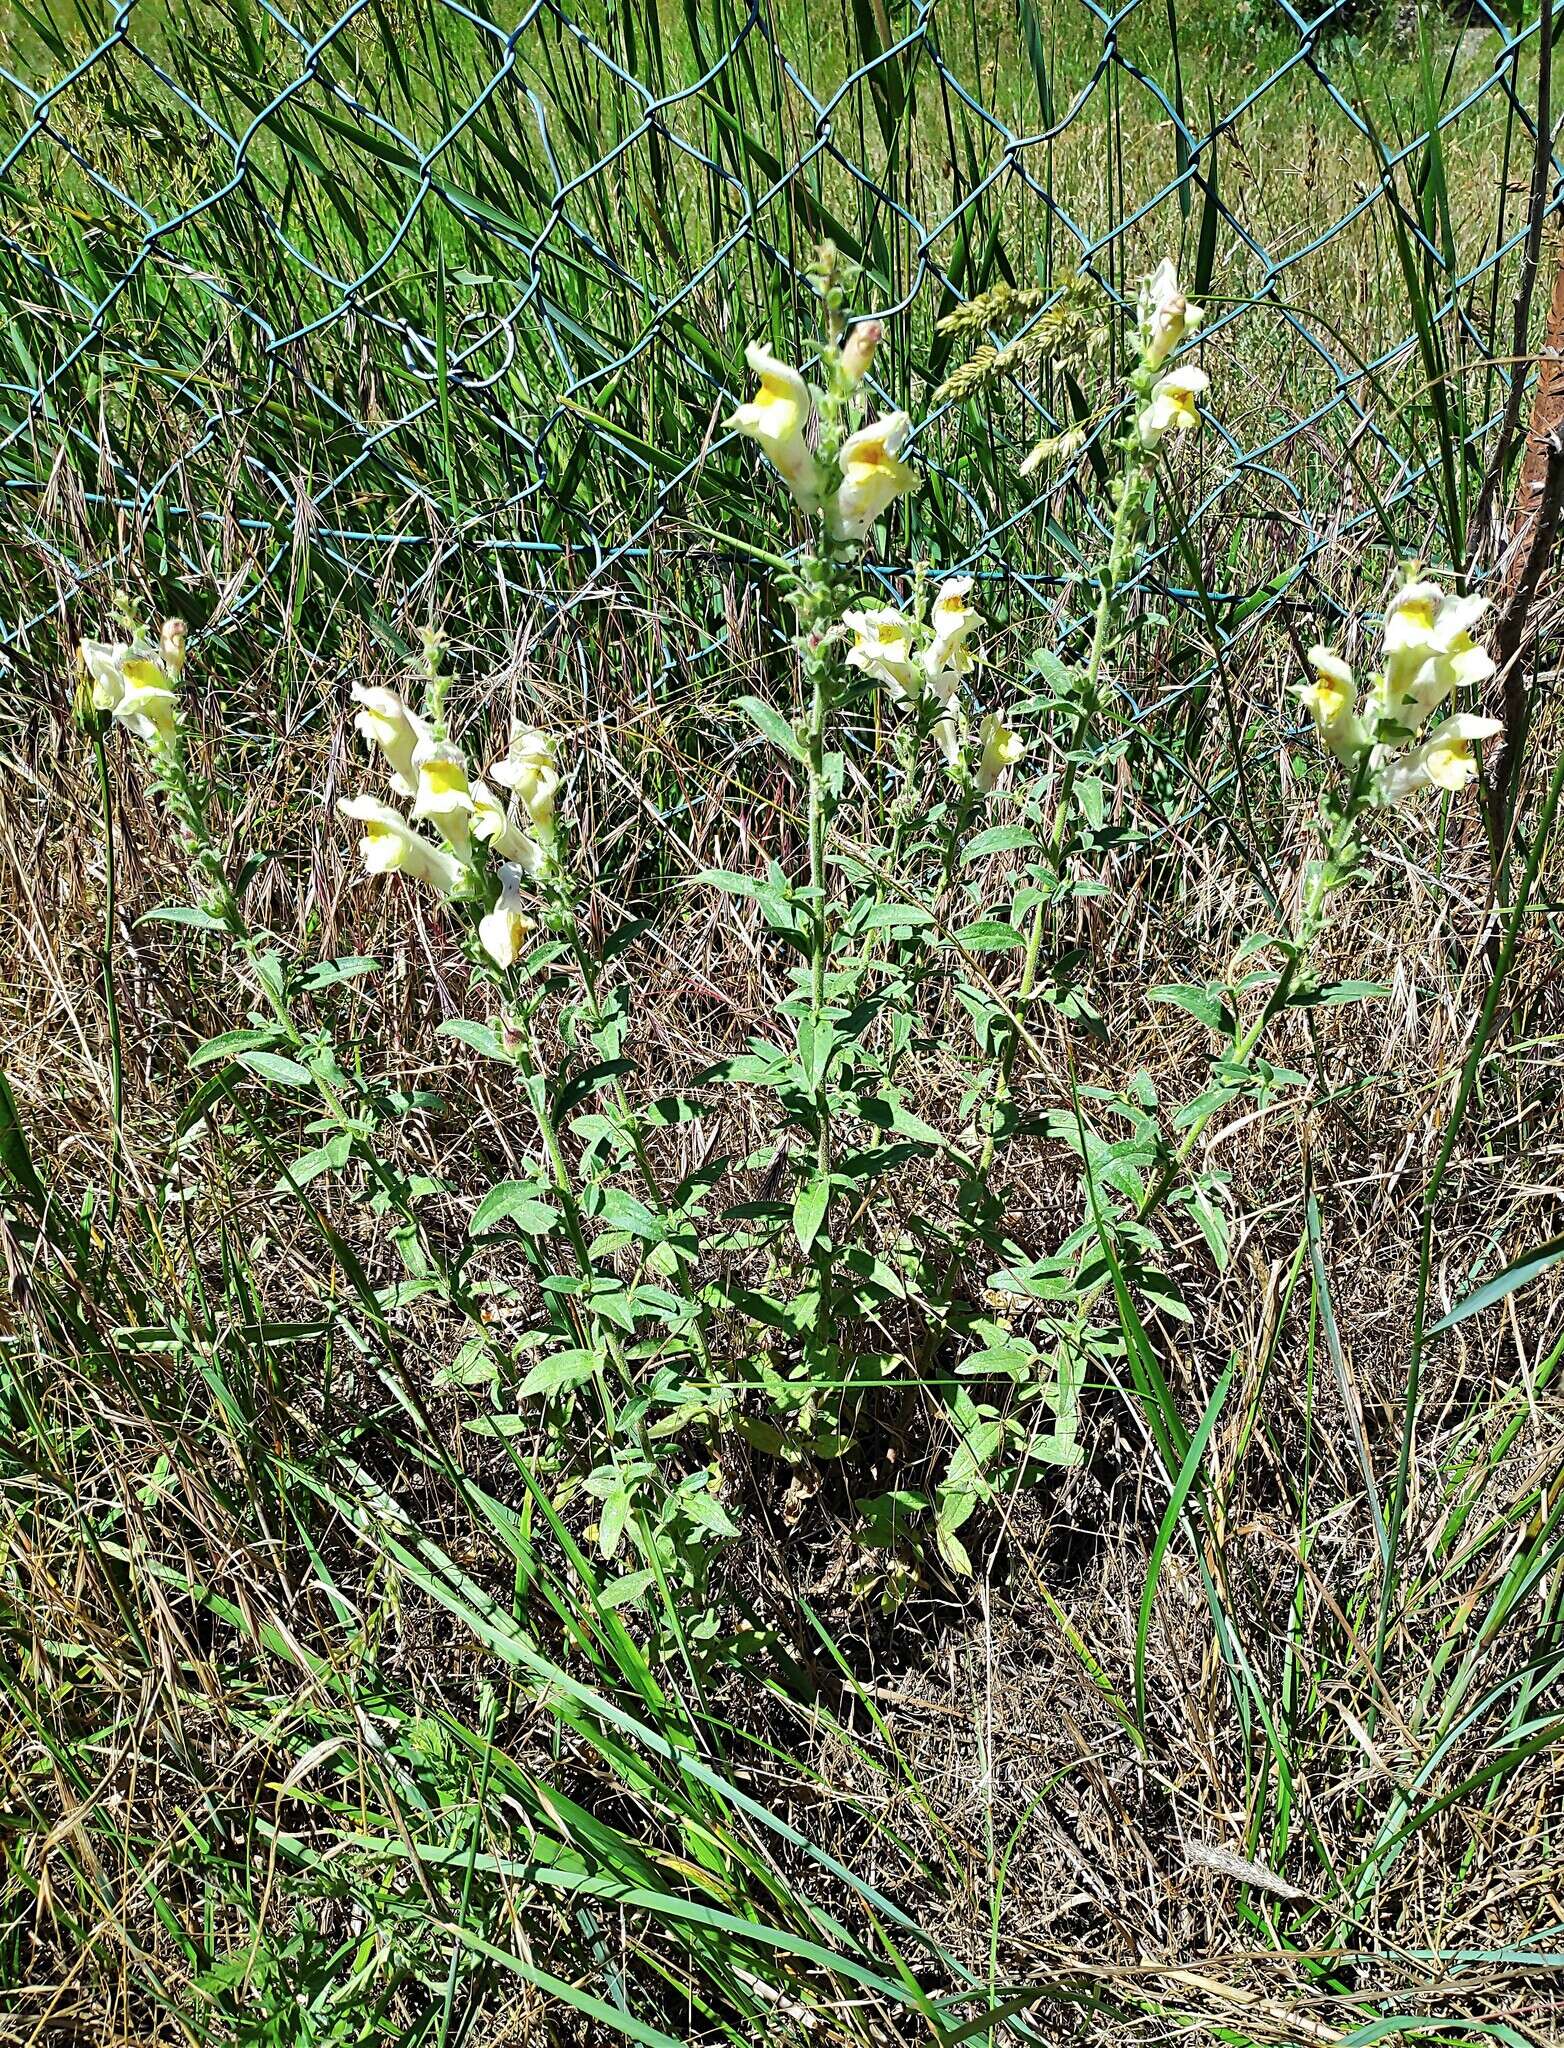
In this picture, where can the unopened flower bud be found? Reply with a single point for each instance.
(172, 635)
(858, 352)
(85, 709)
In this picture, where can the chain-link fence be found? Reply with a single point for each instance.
(429, 308)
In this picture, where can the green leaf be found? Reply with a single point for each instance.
(199, 920)
(1336, 992)
(774, 726)
(949, 1544)
(183, 913)
(1089, 795)
(704, 1511)
(884, 917)
(612, 1521)
(1203, 1003)
(327, 973)
(1517, 1274)
(628, 1587)
(756, 1069)
(810, 1205)
(559, 1373)
(331, 1157)
(478, 1036)
(1212, 1222)
(271, 1066)
(15, 1157)
(780, 913)
(730, 883)
(1059, 676)
(515, 1201)
(673, 1109)
(999, 839)
(989, 935)
(227, 1043)
(626, 1212)
(1187, 1474)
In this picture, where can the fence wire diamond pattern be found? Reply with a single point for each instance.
(419, 307)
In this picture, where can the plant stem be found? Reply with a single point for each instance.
(110, 999)
(1311, 917)
(818, 704)
(633, 1131)
(1120, 553)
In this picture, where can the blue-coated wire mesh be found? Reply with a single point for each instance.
(427, 309)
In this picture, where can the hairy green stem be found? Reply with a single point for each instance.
(820, 938)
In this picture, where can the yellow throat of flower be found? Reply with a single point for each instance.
(1451, 764)
(445, 778)
(1330, 696)
(777, 405)
(868, 459)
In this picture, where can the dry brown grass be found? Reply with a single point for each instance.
(975, 1722)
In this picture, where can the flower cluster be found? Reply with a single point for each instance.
(852, 485)
(432, 777)
(137, 683)
(923, 663)
(1429, 652)
(1164, 319)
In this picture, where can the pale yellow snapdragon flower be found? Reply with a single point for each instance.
(1174, 406)
(998, 749)
(946, 731)
(494, 823)
(502, 932)
(777, 420)
(104, 661)
(873, 475)
(150, 705)
(389, 845)
(442, 793)
(531, 770)
(884, 649)
(953, 622)
(131, 683)
(1166, 317)
(1429, 652)
(921, 660)
(1445, 760)
(1332, 699)
(386, 722)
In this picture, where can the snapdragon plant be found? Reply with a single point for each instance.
(867, 1265)
(1430, 653)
